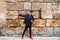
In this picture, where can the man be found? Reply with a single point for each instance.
(28, 21)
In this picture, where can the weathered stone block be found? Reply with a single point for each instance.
(22, 0)
(58, 1)
(36, 0)
(21, 23)
(27, 6)
(15, 6)
(50, 31)
(8, 31)
(36, 14)
(43, 6)
(19, 30)
(54, 6)
(12, 15)
(58, 6)
(48, 22)
(47, 14)
(42, 31)
(36, 6)
(8, 0)
(12, 23)
(57, 31)
(49, 1)
(48, 6)
(39, 31)
(56, 15)
(34, 30)
(55, 23)
(39, 23)
(3, 10)
(2, 23)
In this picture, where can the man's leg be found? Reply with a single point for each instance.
(24, 31)
(30, 32)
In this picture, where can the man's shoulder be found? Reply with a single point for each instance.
(27, 14)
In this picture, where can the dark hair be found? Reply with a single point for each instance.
(31, 11)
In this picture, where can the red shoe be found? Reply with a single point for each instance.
(22, 37)
(31, 38)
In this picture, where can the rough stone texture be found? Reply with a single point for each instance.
(49, 6)
(3, 12)
(15, 6)
(12, 15)
(22, 0)
(56, 14)
(49, 1)
(50, 31)
(36, 14)
(36, 6)
(12, 23)
(54, 6)
(21, 23)
(36, 0)
(57, 31)
(39, 31)
(27, 6)
(55, 23)
(58, 1)
(39, 23)
(7, 0)
(47, 15)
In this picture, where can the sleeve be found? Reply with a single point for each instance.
(21, 15)
(32, 18)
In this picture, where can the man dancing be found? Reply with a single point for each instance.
(28, 21)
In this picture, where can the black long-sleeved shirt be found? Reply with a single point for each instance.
(27, 19)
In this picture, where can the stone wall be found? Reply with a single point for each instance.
(46, 14)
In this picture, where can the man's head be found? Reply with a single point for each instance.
(31, 12)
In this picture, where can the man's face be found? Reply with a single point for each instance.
(30, 13)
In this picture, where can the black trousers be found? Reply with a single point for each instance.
(26, 27)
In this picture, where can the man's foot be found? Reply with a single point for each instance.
(31, 38)
(22, 37)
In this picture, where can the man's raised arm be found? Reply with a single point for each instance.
(21, 15)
